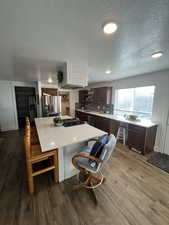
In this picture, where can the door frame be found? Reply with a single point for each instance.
(20, 84)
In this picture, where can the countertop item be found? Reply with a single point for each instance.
(72, 122)
(143, 122)
(52, 137)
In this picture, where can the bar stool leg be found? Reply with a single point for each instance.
(124, 136)
(30, 179)
(56, 175)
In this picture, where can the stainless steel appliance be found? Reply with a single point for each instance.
(51, 105)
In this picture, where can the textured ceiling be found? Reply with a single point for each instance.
(37, 34)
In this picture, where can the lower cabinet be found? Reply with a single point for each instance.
(92, 120)
(114, 126)
(136, 137)
(139, 138)
(102, 123)
(81, 115)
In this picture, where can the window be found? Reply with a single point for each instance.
(137, 101)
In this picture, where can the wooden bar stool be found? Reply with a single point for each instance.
(32, 132)
(34, 155)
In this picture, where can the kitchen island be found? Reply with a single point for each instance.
(67, 141)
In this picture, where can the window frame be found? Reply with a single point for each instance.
(133, 111)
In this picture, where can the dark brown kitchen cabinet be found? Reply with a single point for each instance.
(102, 123)
(81, 115)
(141, 139)
(49, 91)
(136, 137)
(83, 96)
(114, 127)
(92, 120)
(102, 95)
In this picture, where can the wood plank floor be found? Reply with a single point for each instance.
(135, 193)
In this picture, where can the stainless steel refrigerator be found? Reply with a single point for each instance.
(51, 105)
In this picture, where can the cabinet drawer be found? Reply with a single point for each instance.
(136, 128)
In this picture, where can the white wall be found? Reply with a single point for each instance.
(161, 98)
(8, 111)
(7, 107)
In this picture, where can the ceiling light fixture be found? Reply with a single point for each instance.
(108, 71)
(50, 80)
(157, 54)
(109, 28)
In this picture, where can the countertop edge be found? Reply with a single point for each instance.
(117, 119)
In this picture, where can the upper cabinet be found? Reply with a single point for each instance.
(83, 94)
(102, 95)
(50, 91)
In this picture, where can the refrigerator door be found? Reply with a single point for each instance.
(45, 104)
(56, 104)
(51, 105)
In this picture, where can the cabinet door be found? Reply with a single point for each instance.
(83, 96)
(136, 137)
(150, 139)
(102, 123)
(100, 95)
(77, 114)
(82, 116)
(103, 95)
(114, 127)
(92, 120)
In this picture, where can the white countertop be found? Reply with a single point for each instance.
(52, 137)
(143, 122)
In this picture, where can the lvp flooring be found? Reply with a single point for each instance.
(135, 193)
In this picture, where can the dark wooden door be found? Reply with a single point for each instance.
(26, 104)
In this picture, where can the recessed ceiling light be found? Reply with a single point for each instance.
(157, 54)
(50, 80)
(108, 71)
(109, 28)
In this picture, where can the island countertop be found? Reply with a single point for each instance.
(143, 122)
(52, 137)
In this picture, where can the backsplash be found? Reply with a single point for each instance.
(106, 108)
